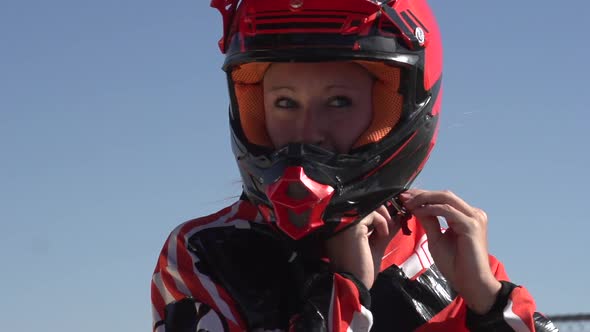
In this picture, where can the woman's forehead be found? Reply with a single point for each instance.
(254, 72)
(336, 72)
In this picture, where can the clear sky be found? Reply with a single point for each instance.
(113, 130)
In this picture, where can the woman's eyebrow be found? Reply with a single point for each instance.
(340, 86)
(282, 87)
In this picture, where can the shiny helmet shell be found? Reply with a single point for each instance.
(302, 189)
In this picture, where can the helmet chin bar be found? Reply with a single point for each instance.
(298, 202)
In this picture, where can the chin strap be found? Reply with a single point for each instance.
(397, 209)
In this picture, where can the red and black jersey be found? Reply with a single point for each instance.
(230, 272)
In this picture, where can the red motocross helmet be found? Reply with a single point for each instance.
(301, 189)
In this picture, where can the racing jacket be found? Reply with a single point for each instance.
(229, 272)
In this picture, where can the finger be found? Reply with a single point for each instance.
(382, 210)
(431, 225)
(381, 222)
(420, 198)
(410, 193)
(456, 219)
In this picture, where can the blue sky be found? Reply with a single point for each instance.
(113, 130)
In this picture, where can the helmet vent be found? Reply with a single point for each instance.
(293, 23)
(299, 220)
(297, 191)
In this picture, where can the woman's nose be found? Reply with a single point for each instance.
(310, 127)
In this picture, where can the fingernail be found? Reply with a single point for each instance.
(405, 196)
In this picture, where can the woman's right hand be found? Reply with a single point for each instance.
(359, 249)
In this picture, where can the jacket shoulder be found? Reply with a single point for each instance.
(237, 215)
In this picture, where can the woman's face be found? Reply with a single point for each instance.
(328, 104)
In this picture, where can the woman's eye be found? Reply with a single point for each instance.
(285, 103)
(340, 101)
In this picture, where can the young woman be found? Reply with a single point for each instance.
(334, 111)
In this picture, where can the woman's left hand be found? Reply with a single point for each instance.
(461, 252)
